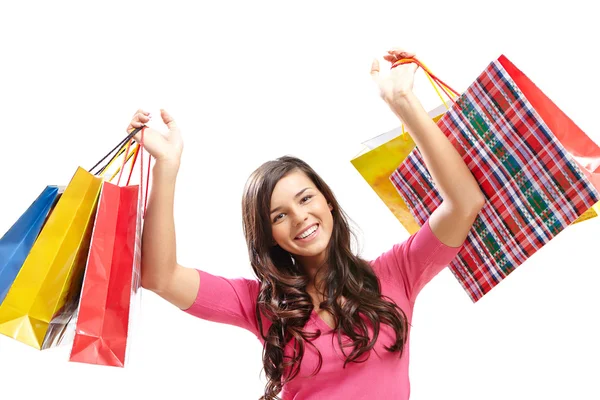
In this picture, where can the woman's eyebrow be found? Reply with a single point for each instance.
(295, 197)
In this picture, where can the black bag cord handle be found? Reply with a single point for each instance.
(118, 148)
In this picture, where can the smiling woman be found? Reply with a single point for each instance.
(332, 325)
(302, 222)
(300, 242)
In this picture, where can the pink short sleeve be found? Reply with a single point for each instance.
(228, 301)
(416, 261)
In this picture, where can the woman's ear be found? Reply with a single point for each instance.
(330, 206)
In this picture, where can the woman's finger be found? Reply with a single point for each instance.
(134, 125)
(141, 117)
(168, 120)
(375, 70)
(138, 121)
(401, 53)
(140, 111)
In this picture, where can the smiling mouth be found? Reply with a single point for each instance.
(313, 231)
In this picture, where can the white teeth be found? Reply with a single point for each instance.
(308, 232)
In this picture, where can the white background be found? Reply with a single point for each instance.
(249, 81)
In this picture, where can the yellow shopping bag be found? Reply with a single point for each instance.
(45, 294)
(589, 214)
(378, 163)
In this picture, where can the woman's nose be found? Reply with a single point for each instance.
(300, 216)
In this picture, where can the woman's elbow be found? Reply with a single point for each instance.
(478, 200)
(471, 203)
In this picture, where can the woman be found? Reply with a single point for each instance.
(333, 326)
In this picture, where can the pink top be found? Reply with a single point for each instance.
(402, 271)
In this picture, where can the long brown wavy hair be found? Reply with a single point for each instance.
(283, 298)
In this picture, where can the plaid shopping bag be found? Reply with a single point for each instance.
(534, 188)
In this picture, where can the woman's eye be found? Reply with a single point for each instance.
(277, 218)
(306, 198)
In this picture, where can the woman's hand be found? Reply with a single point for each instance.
(164, 148)
(398, 84)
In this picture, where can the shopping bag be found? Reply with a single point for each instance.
(583, 150)
(45, 289)
(534, 188)
(18, 240)
(589, 214)
(111, 286)
(44, 296)
(383, 155)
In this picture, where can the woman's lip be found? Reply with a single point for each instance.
(304, 230)
(312, 235)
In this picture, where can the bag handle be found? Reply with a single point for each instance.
(433, 79)
(441, 84)
(120, 148)
(124, 147)
(138, 150)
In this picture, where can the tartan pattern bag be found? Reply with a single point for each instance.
(532, 186)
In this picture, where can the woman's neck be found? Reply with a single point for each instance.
(316, 287)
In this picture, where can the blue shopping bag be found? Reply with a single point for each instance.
(18, 241)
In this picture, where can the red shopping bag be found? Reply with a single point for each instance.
(537, 170)
(581, 148)
(111, 285)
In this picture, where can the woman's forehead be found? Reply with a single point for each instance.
(290, 185)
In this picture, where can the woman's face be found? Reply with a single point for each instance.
(301, 218)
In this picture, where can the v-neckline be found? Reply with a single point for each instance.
(320, 320)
